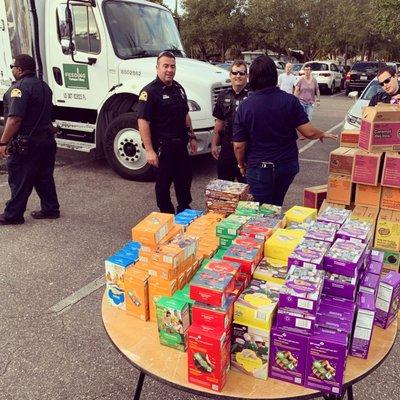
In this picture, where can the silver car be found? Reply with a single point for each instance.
(353, 116)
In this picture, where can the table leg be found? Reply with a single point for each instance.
(139, 386)
(350, 393)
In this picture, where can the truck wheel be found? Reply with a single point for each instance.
(124, 150)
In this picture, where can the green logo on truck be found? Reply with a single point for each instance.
(76, 76)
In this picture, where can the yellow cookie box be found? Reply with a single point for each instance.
(271, 270)
(282, 243)
(387, 235)
(300, 214)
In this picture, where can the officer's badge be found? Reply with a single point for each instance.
(16, 93)
(143, 96)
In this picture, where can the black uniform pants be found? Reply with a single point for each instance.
(227, 166)
(34, 170)
(174, 166)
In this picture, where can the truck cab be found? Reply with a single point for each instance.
(96, 55)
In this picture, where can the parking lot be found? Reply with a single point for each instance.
(51, 278)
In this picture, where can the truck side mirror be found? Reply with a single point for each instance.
(67, 46)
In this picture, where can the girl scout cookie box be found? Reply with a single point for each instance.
(356, 230)
(282, 243)
(152, 229)
(173, 322)
(288, 355)
(261, 227)
(257, 304)
(300, 214)
(334, 215)
(137, 293)
(271, 270)
(208, 356)
(309, 253)
(387, 302)
(250, 350)
(324, 231)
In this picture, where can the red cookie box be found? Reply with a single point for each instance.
(247, 257)
(219, 317)
(251, 243)
(208, 356)
(212, 287)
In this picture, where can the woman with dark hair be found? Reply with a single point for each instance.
(265, 137)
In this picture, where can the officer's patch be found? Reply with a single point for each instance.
(16, 93)
(143, 96)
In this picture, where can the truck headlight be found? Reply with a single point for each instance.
(193, 106)
(353, 120)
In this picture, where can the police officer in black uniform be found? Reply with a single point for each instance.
(224, 111)
(28, 143)
(387, 79)
(166, 131)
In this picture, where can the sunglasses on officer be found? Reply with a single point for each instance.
(387, 80)
(166, 53)
(14, 66)
(240, 73)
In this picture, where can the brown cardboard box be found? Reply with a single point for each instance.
(390, 199)
(387, 235)
(341, 161)
(369, 196)
(349, 139)
(340, 189)
(326, 204)
(379, 128)
(367, 168)
(363, 213)
(391, 170)
(314, 196)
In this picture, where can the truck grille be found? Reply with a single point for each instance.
(215, 91)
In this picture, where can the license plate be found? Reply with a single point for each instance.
(363, 78)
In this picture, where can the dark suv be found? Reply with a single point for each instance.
(361, 74)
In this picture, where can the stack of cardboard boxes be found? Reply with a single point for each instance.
(364, 173)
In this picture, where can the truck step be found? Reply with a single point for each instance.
(75, 145)
(74, 126)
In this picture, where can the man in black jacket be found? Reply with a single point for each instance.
(387, 78)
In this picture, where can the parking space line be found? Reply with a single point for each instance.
(312, 142)
(77, 296)
(313, 161)
(336, 94)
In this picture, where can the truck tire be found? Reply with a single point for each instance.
(124, 150)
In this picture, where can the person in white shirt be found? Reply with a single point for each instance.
(287, 80)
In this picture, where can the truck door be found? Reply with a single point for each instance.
(78, 80)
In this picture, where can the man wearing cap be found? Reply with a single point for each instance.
(166, 130)
(28, 143)
(388, 80)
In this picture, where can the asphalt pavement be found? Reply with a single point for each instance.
(53, 344)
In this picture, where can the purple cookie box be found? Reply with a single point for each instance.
(338, 302)
(334, 215)
(297, 346)
(364, 323)
(334, 264)
(324, 231)
(308, 253)
(369, 284)
(377, 255)
(374, 267)
(347, 290)
(355, 230)
(295, 321)
(327, 347)
(387, 301)
(333, 323)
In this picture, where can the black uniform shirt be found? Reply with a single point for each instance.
(165, 108)
(25, 98)
(382, 97)
(225, 109)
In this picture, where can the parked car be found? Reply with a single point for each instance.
(326, 73)
(353, 117)
(361, 74)
(280, 66)
(296, 70)
(225, 65)
(344, 69)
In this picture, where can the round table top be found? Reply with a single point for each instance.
(139, 342)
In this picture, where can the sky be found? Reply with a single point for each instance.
(171, 5)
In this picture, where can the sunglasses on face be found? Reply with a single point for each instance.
(240, 73)
(14, 66)
(387, 80)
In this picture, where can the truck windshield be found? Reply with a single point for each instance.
(139, 30)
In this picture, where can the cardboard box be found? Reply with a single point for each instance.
(341, 161)
(309, 252)
(247, 257)
(390, 199)
(364, 213)
(157, 289)
(379, 128)
(152, 229)
(322, 231)
(326, 361)
(387, 234)
(300, 214)
(349, 139)
(288, 355)
(137, 293)
(387, 302)
(314, 196)
(367, 168)
(282, 243)
(369, 284)
(250, 350)
(325, 204)
(173, 321)
(368, 196)
(354, 229)
(340, 189)
(363, 326)
(391, 261)
(271, 270)
(295, 321)
(340, 285)
(391, 170)
(208, 356)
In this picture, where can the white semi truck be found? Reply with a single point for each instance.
(96, 55)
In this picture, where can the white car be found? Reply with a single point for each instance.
(326, 73)
(353, 117)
